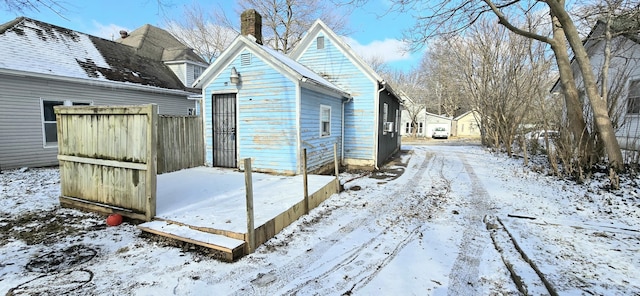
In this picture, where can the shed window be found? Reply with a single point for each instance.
(633, 99)
(49, 126)
(325, 121)
(245, 59)
(320, 42)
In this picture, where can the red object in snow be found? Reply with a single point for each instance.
(114, 220)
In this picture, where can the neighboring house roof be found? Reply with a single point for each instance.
(31, 46)
(158, 44)
(318, 26)
(438, 116)
(277, 60)
(465, 114)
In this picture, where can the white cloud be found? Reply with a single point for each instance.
(388, 50)
(110, 31)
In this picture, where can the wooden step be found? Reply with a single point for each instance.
(230, 248)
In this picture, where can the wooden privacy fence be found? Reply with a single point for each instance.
(109, 156)
(180, 143)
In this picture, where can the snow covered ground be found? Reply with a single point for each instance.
(442, 220)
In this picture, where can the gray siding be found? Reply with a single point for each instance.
(388, 142)
(21, 131)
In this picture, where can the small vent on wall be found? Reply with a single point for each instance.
(320, 42)
(245, 59)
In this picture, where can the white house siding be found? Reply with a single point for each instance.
(21, 130)
(266, 115)
(466, 125)
(361, 113)
(406, 121)
(180, 69)
(319, 149)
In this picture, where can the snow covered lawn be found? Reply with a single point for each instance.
(440, 220)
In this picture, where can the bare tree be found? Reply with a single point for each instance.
(455, 16)
(503, 75)
(204, 32)
(287, 20)
(21, 6)
(441, 76)
(411, 85)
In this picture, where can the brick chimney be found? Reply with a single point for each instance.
(251, 24)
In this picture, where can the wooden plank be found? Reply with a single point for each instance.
(104, 162)
(151, 172)
(70, 202)
(232, 248)
(99, 110)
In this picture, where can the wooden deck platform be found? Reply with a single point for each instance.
(207, 207)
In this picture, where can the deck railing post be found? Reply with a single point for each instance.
(335, 163)
(304, 181)
(251, 231)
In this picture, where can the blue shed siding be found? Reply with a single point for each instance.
(319, 149)
(266, 115)
(360, 113)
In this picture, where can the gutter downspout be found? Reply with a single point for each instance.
(342, 136)
(384, 86)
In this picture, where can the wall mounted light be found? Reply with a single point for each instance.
(235, 77)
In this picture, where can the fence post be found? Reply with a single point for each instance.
(304, 181)
(152, 154)
(251, 234)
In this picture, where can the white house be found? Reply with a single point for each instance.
(623, 74)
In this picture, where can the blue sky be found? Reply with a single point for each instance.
(372, 35)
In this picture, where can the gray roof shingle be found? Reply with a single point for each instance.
(32, 46)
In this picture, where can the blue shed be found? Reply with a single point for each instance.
(371, 118)
(260, 104)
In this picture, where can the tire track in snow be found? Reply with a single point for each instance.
(360, 263)
(464, 275)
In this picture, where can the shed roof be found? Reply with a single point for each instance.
(37, 47)
(283, 63)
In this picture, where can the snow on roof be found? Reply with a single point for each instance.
(300, 69)
(33, 46)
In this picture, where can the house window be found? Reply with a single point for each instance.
(407, 128)
(197, 71)
(633, 98)
(395, 127)
(325, 121)
(245, 59)
(320, 42)
(385, 114)
(420, 128)
(49, 126)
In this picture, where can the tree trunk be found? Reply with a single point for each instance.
(573, 105)
(599, 106)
